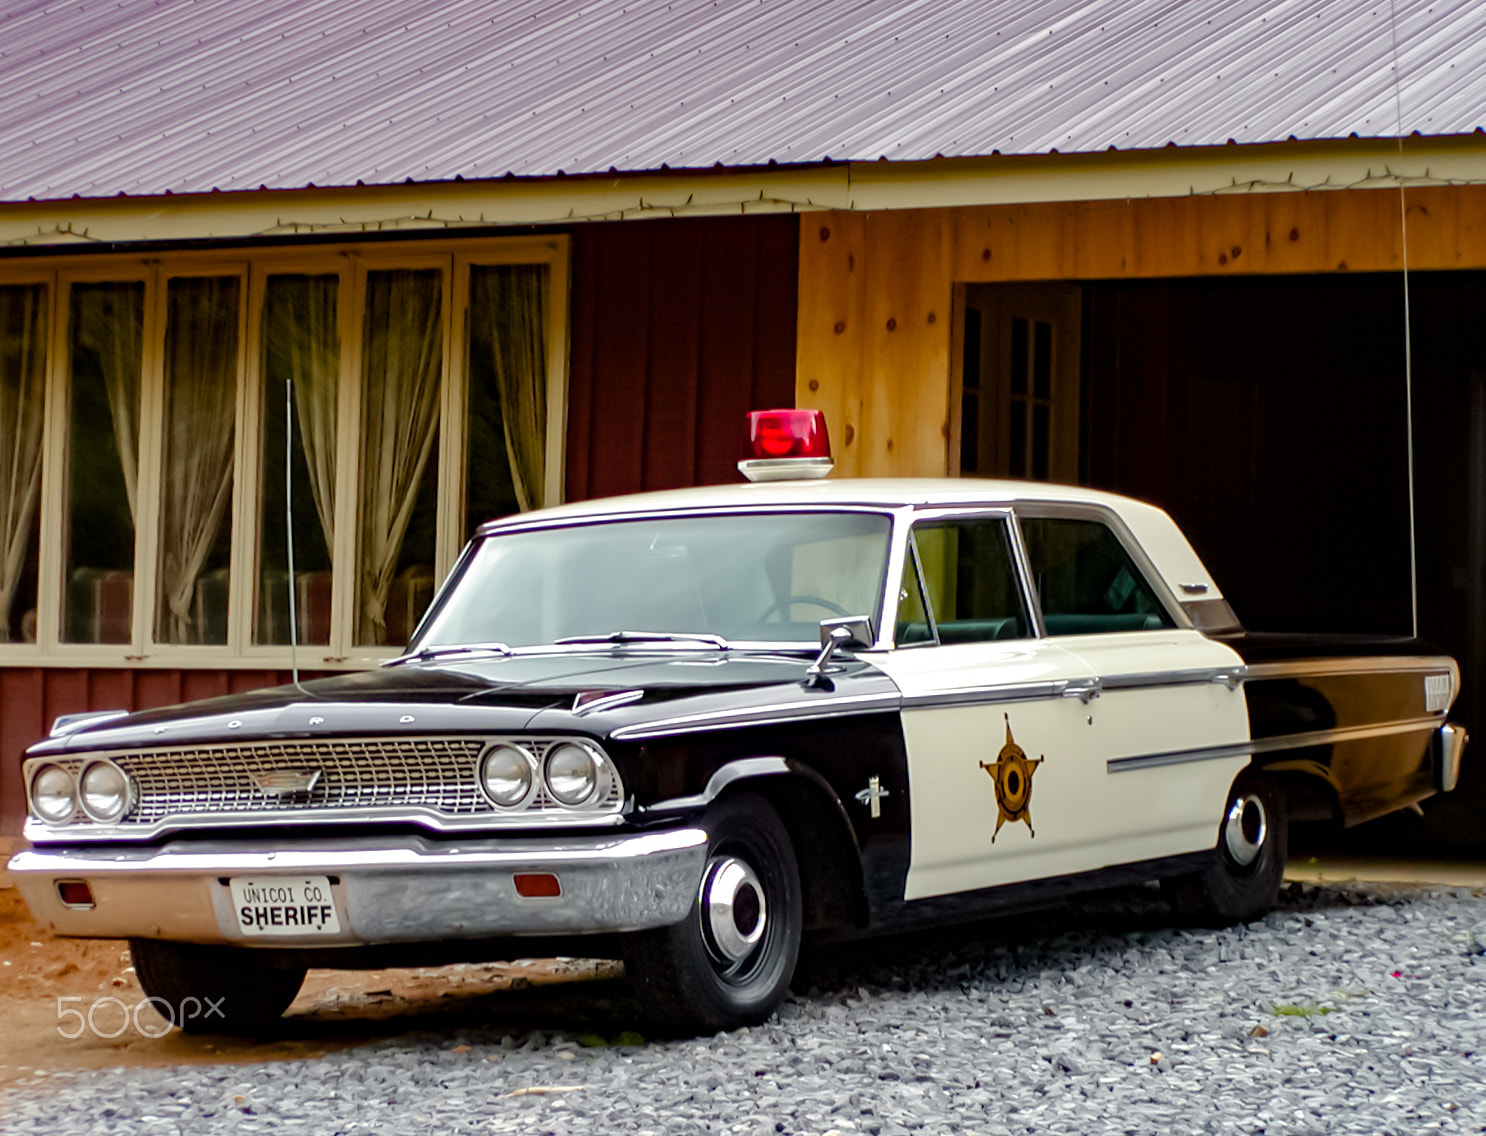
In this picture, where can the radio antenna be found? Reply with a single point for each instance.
(289, 528)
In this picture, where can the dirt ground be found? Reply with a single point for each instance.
(44, 979)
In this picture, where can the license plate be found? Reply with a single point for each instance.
(284, 906)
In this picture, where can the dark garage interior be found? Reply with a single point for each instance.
(1269, 416)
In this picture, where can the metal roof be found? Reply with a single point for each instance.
(101, 97)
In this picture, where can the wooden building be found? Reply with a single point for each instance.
(1277, 341)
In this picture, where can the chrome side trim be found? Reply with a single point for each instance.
(759, 715)
(387, 891)
(733, 771)
(1342, 666)
(1231, 677)
(1178, 757)
(1267, 745)
(973, 696)
(65, 724)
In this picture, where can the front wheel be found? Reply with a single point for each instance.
(729, 962)
(214, 989)
(1243, 881)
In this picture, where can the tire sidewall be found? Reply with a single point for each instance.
(1241, 893)
(675, 973)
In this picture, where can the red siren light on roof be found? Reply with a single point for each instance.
(787, 444)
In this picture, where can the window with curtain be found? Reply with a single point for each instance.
(301, 382)
(105, 354)
(23, 336)
(507, 422)
(375, 402)
(401, 376)
(200, 419)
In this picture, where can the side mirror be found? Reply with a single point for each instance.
(852, 632)
(859, 633)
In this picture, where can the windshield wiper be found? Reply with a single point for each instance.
(619, 638)
(429, 653)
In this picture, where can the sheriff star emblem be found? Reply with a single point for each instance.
(1011, 773)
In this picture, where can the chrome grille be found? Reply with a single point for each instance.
(419, 774)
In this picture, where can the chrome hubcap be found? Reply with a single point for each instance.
(1245, 830)
(734, 913)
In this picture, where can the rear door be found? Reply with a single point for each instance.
(1168, 731)
(1002, 775)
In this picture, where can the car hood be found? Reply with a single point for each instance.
(496, 694)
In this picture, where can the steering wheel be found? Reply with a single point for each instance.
(781, 605)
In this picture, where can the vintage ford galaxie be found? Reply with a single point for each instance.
(686, 728)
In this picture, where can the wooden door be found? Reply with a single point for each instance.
(1019, 382)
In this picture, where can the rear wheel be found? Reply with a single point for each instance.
(1243, 882)
(729, 962)
(214, 989)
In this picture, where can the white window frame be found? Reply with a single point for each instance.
(350, 262)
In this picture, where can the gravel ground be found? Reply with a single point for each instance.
(1347, 1010)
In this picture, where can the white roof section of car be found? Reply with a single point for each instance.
(1158, 535)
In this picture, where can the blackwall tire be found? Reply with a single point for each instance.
(1243, 882)
(214, 989)
(729, 963)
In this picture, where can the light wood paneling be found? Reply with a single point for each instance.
(874, 318)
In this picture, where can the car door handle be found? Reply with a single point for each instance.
(1084, 689)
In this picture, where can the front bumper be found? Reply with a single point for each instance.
(386, 890)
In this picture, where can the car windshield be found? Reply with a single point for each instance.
(756, 577)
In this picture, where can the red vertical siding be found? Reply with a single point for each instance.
(678, 328)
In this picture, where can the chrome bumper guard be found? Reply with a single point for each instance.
(386, 890)
(1452, 740)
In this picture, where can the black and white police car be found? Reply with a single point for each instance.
(686, 728)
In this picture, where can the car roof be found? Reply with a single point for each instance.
(834, 492)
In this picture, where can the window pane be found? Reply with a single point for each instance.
(1086, 580)
(1019, 356)
(105, 340)
(201, 352)
(301, 357)
(968, 568)
(23, 336)
(401, 374)
(507, 431)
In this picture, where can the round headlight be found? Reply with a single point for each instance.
(54, 795)
(104, 791)
(506, 774)
(572, 773)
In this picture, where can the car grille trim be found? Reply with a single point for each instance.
(356, 776)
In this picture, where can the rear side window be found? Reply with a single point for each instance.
(970, 580)
(1086, 581)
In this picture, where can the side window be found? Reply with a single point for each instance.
(1086, 580)
(970, 579)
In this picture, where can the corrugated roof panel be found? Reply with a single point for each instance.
(99, 97)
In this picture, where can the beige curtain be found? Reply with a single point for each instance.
(109, 324)
(22, 387)
(402, 363)
(301, 341)
(200, 419)
(508, 312)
